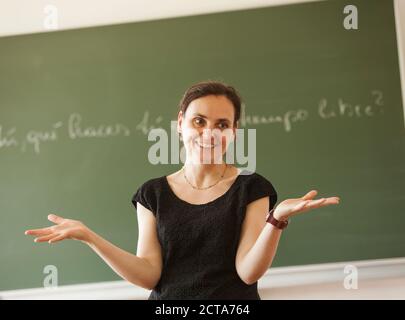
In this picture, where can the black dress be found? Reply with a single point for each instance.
(199, 241)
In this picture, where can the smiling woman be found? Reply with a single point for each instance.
(203, 231)
(207, 128)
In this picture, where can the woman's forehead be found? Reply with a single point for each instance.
(213, 107)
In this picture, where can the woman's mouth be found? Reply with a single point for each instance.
(206, 145)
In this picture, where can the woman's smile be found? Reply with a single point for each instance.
(206, 145)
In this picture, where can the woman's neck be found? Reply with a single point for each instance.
(202, 175)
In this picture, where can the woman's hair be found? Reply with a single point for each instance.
(206, 88)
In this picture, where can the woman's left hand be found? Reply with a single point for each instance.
(290, 207)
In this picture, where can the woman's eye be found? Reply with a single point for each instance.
(199, 121)
(223, 125)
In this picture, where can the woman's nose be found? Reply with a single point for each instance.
(210, 135)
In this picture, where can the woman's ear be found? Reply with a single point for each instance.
(179, 121)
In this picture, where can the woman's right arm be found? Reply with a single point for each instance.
(143, 269)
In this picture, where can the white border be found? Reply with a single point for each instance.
(317, 281)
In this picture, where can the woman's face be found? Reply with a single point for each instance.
(207, 128)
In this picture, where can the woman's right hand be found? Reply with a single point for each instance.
(64, 229)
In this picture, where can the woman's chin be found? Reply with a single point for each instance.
(206, 156)
(210, 159)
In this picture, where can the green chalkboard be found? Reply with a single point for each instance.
(76, 107)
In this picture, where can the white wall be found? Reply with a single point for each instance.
(27, 16)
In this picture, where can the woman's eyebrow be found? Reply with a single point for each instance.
(205, 117)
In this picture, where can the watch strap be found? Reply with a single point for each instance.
(277, 223)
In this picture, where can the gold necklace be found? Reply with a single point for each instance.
(204, 188)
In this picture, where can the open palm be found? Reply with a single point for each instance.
(64, 229)
(291, 207)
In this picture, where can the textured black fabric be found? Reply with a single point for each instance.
(199, 242)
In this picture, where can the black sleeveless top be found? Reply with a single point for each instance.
(199, 241)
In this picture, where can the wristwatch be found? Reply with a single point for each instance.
(277, 223)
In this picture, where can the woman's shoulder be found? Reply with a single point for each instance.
(256, 186)
(252, 176)
(148, 192)
(152, 183)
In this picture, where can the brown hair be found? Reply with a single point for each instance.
(217, 88)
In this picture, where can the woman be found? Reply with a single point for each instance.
(205, 231)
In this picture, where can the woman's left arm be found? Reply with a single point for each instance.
(259, 240)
